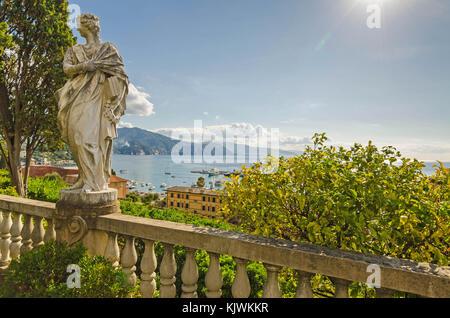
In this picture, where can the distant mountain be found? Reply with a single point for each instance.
(136, 141)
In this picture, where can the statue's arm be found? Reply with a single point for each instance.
(72, 69)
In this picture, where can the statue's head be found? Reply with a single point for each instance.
(88, 23)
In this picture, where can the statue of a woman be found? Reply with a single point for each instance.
(91, 104)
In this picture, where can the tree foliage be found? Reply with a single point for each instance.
(201, 182)
(361, 199)
(34, 36)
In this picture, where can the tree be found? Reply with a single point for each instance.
(201, 182)
(361, 199)
(33, 39)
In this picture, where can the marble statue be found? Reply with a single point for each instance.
(91, 104)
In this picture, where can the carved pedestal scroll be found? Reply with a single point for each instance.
(76, 214)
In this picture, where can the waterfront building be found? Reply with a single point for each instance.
(120, 185)
(201, 201)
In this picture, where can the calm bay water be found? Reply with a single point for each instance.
(153, 169)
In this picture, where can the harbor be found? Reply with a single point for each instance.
(155, 174)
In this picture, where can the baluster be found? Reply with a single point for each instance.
(168, 271)
(16, 238)
(241, 284)
(112, 251)
(189, 275)
(38, 232)
(148, 267)
(213, 278)
(26, 234)
(5, 228)
(128, 259)
(304, 289)
(384, 293)
(50, 233)
(341, 286)
(1, 221)
(272, 288)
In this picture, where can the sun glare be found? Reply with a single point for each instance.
(381, 2)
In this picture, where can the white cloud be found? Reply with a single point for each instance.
(138, 102)
(315, 105)
(123, 124)
(421, 149)
(294, 141)
(241, 133)
(292, 121)
(426, 151)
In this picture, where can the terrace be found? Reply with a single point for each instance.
(22, 229)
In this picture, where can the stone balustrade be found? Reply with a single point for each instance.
(21, 229)
(22, 226)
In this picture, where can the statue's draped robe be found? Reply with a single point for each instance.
(84, 127)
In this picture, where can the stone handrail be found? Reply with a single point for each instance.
(17, 237)
(397, 274)
(343, 267)
(27, 206)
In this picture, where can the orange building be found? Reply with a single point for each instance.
(121, 185)
(194, 200)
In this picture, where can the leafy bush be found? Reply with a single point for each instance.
(42, 273)
(150, 197)
(172, 215)
(5, 180)
(132, 197)
(361, 199)
(46, 188)
(53, 177)
(11, 191)
(43, 189)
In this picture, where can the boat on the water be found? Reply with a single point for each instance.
(212, 172)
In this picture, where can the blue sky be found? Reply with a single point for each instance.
(302, 66)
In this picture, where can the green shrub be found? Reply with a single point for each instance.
(42, 273)
(53, 177)
(363, 199)
(133, 197)
(43, 189)
(172, 215)
(46, 188)
(11, 191)
(100, 280)
(5, 180)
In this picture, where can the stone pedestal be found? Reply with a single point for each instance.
(76, 214)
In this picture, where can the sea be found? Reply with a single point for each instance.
(155, 171)
(162, 170)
